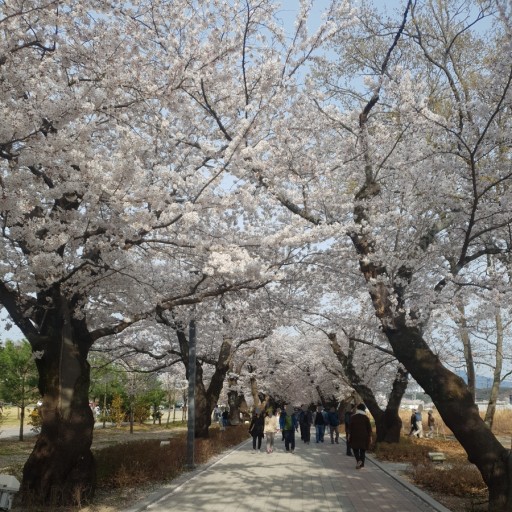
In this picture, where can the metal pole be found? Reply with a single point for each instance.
(191, 393)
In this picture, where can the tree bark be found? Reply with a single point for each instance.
(206, 398)
(496, 378)
(61, 468)
(22, 419)
(203, 406)
(455, 404)
(468, 349)
(388, 423)
(391, 423)
(233, 402)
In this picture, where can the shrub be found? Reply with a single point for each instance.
(141, 411)
(35, 420)
(117, 412)
(407, 450)
(436, 477)
(139, 462)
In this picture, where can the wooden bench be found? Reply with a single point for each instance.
(437, 457)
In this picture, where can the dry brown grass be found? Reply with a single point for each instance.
(140, 462)
(502, 423)
(456, 483)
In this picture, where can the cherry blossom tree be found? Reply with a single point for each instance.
(415, 176)
(412, 251)
(481, 321)
(123, 126)
(163, 155)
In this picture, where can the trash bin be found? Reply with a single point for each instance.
(9, 486)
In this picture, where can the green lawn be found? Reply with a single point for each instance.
(10, 417)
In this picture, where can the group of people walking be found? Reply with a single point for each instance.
(358, 428)
(288, 421)
(221, 416)
(269, 424)
(417, 424)
(324, 419)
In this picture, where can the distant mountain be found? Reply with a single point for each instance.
(484, 382)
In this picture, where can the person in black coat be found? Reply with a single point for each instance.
(346, 419)
(360, 435)
(256, 429)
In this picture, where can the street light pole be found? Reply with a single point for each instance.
(191, 420)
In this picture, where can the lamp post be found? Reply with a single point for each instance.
(191, 420)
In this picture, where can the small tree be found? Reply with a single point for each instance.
(108, 379)
(18, 383)
(141, 410)
(34, 420)
(117, 412)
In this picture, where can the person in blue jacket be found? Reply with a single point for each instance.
(334, 425)
(320, 422)
(289, 425)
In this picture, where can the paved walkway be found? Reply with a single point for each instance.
(316, 477)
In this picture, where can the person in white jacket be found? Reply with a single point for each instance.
(270, 429)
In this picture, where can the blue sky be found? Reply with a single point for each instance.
(289, 8)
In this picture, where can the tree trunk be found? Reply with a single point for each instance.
(236, 401)
(203, 409)
(61, 468)
(468, 349)
(22, 414)
(388, 423)
(389, 426)
(243, 408)
(254, 392)
(234, 411)
(455, 404)
(496, 378)
(205, 399)
(321, 396)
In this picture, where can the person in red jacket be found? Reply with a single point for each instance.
(360, 434)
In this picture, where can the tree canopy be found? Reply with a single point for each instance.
(168, 161)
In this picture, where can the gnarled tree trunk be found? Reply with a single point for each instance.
(455, 404)
(388, 423)
(203, 409)
(233, 401)
(61, 468)
(206, 398)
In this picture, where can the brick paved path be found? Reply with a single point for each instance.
(316, 477)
